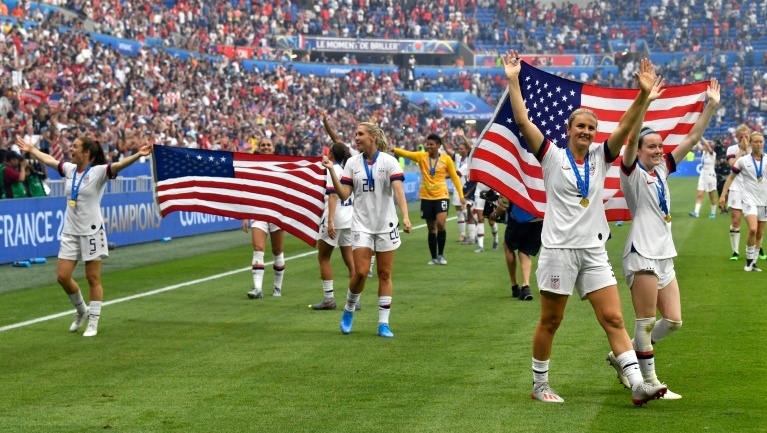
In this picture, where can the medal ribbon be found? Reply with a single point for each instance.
(583, 186)
(660, 189)
(757, 168)
(433, 168)
(76, 186)
(369, 170)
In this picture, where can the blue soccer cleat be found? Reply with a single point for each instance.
(346, 322)
(384, 331)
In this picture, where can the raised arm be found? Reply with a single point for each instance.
(125, 162)
(695, 134)
(630, 152)
(343, 191)
(706, 145)
(448, 151)
(36, 153)
(635, 113)
(512, 67)
(329, 128)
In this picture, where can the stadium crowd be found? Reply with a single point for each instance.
(65, 83)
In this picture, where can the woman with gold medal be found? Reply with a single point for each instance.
(83, 237)
(648, 265)
(750, 168)
(575, 227)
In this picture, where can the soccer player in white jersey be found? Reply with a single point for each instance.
(83, 236)
(259, 231)
(648, 265)
(478, 211)
(575, 230)
(374, 177)
(707, 178)
(753, 192)
(734, 152)
(335, 229)
(460, 158)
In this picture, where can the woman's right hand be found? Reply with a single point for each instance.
(245, 225)
(511, 64)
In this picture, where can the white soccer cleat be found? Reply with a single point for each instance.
(78, 322)
(441, 260)
(255, 294)
(669, 395)
(92, 329)
(543, 392)
(616, 365)
(276, 292)
(642, 392)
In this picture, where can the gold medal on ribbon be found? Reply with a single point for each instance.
(72, 203)
(760, 179)
(668, 218)
(585, 202)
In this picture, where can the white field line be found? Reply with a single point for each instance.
(160, 290)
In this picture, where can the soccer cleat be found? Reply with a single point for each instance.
(92, 329)
(621, 375)
(669, 395)
(525, 294)
(751, 266)
(734, 257)
(712, 215)
(495, 245)
(384, 331)
(255, 294)
(467, 241)
(515, 291)
(78, 322)
(642, 392)
(694, 214)
(460, 238)
(327, 304)
(433, 261)
(479, 250)
(276, 292)
(762, 256)
(346, 322)
(441, 260)
(543, 392)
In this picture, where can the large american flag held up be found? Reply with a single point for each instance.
(285, 190)
(502, 159)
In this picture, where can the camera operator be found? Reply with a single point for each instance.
(14, 173)
(721, 168)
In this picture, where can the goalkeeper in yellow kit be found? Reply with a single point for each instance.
(435, 197)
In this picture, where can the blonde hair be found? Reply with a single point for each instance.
(742, 128)
(382, 144)
(579, 112)
(755, 134)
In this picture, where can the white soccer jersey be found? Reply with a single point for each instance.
(568, 224)
(85, 217)
(650, 234)
(732, 151)
(707, 162)
(374, 209)
(753, 192)
(344, 211)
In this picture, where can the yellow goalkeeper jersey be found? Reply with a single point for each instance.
(433, 173)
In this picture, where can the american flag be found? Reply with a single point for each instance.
(502, 159)
(284, 190)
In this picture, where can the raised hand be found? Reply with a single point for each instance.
(511, 64)
(657, 89)
(646, 77)
(712, 92)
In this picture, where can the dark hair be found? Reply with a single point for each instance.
(93, 146)
(340, 153)
(646, 130)
(435, 137)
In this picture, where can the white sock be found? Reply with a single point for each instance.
(94, 311)
(327, 289)
(697, 207)
(472, 232)
(494, 230)
(643, 348)
(630, 366)
(662, 328)
(279, 270)
(735, 239)
(258, 269)
(77, 300)
(540, 371)
(750, 252)
(461, 217)
(481, 235)
(384, 307)
(351, 301)
(713, 209)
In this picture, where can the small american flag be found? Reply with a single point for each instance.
(502, 160)
(284, 190)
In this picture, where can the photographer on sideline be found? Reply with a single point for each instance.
(523, 234)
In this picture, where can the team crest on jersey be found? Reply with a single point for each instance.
(555, 282)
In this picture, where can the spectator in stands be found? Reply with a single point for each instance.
(14, 175)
